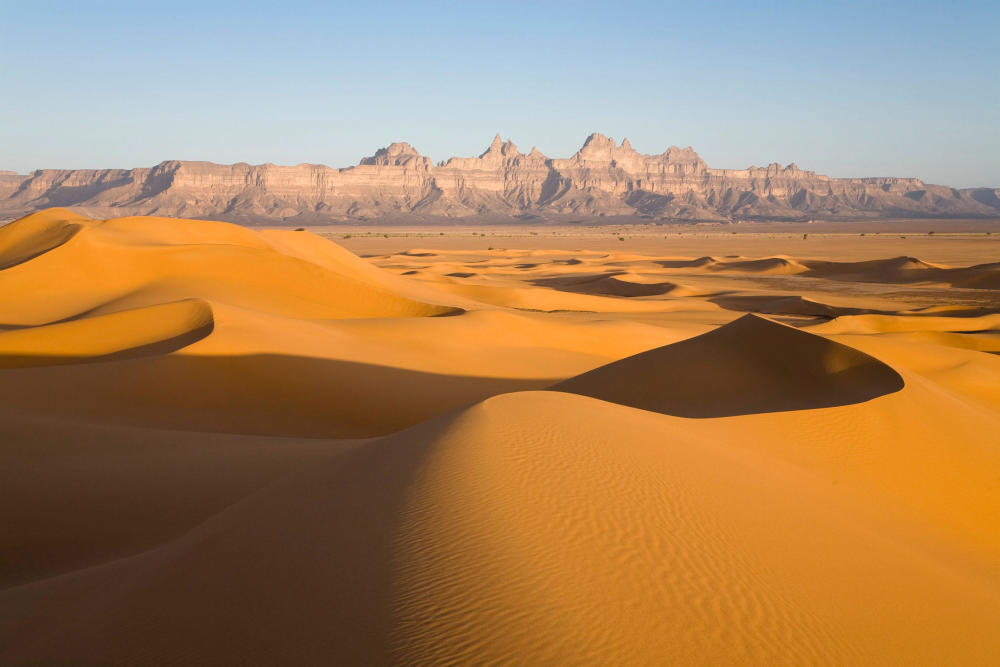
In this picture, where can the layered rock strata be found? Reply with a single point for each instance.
(603, 178)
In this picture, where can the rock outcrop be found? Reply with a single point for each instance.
(604, 178)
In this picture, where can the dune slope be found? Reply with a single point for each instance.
(534, 524)
(750, 365)
(120, 335)
(105, 266)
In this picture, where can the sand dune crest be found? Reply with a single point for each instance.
(102, 266)
(121, 335)
(36, 234)
(615, 284)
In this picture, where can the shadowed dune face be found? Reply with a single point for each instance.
(324, 594)
(783, 305)
(748, 366)
(265, 394)
(768, 265)
(36, 235)
(612, 284)
(983, 276)
(77, 495)
(688, 263)
(895, 270)
(908, 270)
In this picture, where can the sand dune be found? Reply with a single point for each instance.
(220, 445)
(261, 325)
(77, 495)
(751, 365)
(121, 335)
(886, 269)
(783, 305)
(539, 524)
(908, 270)
(615, 284)
(104, 266)
(903, 269)
(767, 265)
(36, 235)
(700, 262)
(881, 323)
(548, 300)
(981, 276)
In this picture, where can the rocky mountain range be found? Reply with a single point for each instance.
(603, 179)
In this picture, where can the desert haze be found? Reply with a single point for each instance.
(550, 445)
(604, 179)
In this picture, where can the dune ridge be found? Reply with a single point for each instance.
(122, 334)
(102, 266)
(750, 365)
(37, 234)
(902, 270)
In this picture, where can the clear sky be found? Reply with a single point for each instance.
(843, 88)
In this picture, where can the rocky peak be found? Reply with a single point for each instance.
(536, 154)
(401, 148)
(597, 146)
(500, 148)
(601, 149)
(495, 145)
(397, 154)
(677, 155)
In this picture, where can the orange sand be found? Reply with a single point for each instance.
(223, 446)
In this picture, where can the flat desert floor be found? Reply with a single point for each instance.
(484, 445)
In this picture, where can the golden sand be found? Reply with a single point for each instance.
(226, 446)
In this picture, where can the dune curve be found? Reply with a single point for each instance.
(126, 334)
(36, 234)
(133, 262)
(747, 366)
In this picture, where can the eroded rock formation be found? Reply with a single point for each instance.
(603, 178)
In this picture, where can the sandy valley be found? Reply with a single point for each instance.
(602, 445)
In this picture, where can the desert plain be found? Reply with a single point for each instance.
(633, 444)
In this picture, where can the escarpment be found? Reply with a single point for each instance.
(603, 178)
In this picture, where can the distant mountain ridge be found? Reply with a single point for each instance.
(602, 179)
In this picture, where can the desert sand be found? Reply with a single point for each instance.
(531, 445)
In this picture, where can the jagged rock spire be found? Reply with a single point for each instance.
(499, 147)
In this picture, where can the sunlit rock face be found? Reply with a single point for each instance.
(603, 178)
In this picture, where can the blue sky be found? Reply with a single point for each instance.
(843, 88)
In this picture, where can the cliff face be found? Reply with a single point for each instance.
(602, 179)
